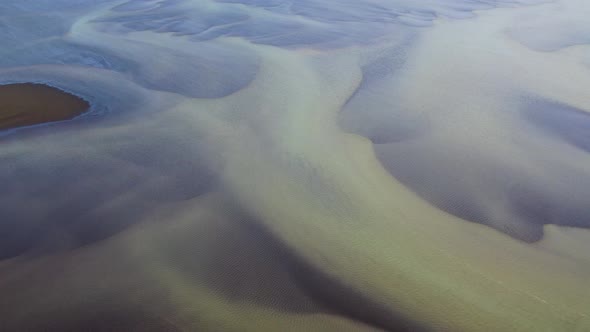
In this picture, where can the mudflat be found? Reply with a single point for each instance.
(26, 104)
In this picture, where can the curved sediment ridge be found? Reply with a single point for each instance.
(26, 104)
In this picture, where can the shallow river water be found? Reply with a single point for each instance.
(303, 165)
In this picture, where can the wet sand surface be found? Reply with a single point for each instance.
(310, 165)
(29, 104)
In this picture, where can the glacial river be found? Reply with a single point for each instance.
(302, 165)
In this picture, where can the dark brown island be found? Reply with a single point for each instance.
(25, 104)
